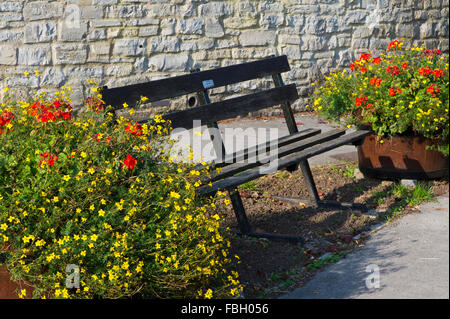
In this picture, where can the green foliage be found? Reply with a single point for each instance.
(403, 91)
(107, 198)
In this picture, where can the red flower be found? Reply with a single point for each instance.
(129, 162)
(49, 157)
(432, 89)
(363, 69)
(376, 60)
(394, 44)
(5, 118)
(135, 129)
(375, 81)
(393, 70)
(404, 65)
(352, 66)
(392, 92)
(360, 100)
(365, 56)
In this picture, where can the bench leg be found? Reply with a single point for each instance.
(239, 210)
(310, 185)
(314, 199)
(245, 228)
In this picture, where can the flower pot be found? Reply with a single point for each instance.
(401, 157)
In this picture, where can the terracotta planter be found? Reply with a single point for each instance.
(402, 157)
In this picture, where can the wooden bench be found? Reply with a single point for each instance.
(292, 151)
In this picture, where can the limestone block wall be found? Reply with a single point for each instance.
(119, 42)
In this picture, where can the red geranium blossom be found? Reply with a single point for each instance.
(432, 89)
(394, 44)
(5, 118)
(50, 158)
(360, 100)
(129, 162)
(135, 129)
(365, 56)
(376, 60)
(375, 81)
(393, 70)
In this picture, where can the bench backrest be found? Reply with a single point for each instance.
(209, 113)
(195, 82)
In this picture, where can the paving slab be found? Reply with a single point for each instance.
(410, 257)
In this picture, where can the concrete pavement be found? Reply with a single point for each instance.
(411, 256)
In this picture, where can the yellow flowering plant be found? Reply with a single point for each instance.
(104, 198)
(403, 91)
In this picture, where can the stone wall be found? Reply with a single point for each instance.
(118, 42)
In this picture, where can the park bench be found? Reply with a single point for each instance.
(293, 150)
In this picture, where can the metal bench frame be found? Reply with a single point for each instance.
(293, 150)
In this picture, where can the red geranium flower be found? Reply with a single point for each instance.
(365, 56)
(394, 44)
(129, 162)
(432, 89)
(360, 100)
(404, 65)
(376, 60)
(49, 157)
(135, 129)
(392, 92)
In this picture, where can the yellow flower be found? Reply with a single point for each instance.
(101, 213)
(144, 98)
(125, 105)
(208, 294)
(66, 178)
(174, 195)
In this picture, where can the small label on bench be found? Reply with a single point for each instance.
(208, 84)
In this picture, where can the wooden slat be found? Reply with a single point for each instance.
(190, 83)
(263, 147)
(284, 162)
(231, 108)
(235, 168)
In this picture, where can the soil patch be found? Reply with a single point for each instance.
(268, 269)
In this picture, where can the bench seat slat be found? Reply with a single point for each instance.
(185, 84)
(235, 168)
(252, 151)
(264, 147)
(238, 106)
(251, 174)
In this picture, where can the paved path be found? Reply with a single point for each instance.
(412, 255)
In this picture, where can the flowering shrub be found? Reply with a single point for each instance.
(402, 91)
(102, 196)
